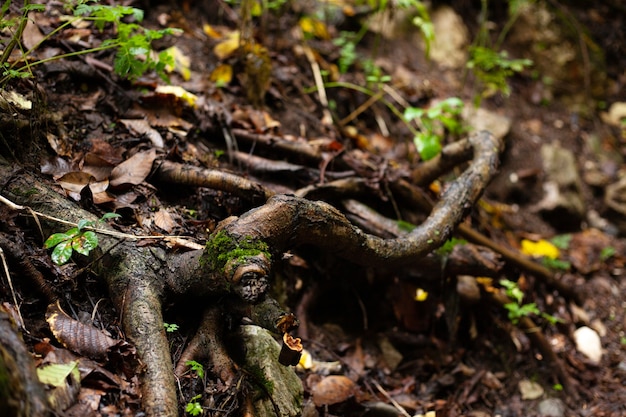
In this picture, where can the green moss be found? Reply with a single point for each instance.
(221, 248)
(266, 387)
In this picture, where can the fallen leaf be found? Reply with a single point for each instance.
(134, 170)
(141, 127)
(333, 389)
(179, 92)
(182, 62)
(76, 336)
(222, 75)
(539, 249)
(163, 220)
(228, 46)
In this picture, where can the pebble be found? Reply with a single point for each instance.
(551, 407)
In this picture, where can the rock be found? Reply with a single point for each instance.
(588, 343)
(551, 407)
(562, 203)
(530, 390)
(616, 114)
(262, 353)
(449, 48)
(483, 119)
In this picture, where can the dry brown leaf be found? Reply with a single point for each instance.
(163, 220)
(141, 127)
(332, 390)
(76, 336)
(74, 182)
(134, 170)
(32, 36)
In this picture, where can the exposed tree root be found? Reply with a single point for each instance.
(237, 259)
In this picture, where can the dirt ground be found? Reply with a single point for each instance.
(459, 359)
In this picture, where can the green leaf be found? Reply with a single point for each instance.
(607, 253)
(428, 145)
(447, 247)
(72, 232)
(107, 216)
(62, 252)
(562, 241)
(411, 113)
(35, 8)
(84, 223)
(193, 408)
(197, 367)
(85, 243)
(56, 374)
(55, 239)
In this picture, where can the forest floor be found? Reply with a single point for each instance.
(394, 350)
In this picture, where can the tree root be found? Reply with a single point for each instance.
(139, 278)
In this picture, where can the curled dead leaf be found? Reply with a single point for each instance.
(134, 170)
(76, 336)
(333, 389)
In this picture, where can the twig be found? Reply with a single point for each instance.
(37, 214)
(10, 281)
(391, 400)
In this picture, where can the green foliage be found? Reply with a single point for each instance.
(434, 122)
(517, 310)
(131, 42)
(196, 367)
(447, 247)
(556, 264)
(607, 253)
(170, 327)
(423, 23)
(76, 239)
(562, 241)
(493, 69)
(193, 407)
(346, 41)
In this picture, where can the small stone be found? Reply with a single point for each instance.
(588, 343)
(551, 407)
(530, 390)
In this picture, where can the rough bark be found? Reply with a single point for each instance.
(285, 221)
(139, 277)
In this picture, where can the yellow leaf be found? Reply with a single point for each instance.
(228, 46)
(306, 360)
(314, 27)
(179, 92)
(222, 74)
(539, 249)
(182, 62)
(420, 295)
(56, 374)
(210, 32)
(487, 284)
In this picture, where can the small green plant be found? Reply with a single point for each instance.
(196, 367)
(607, 253)
(449, 245)
(170, 327)
(493, 69)
(132, 42)
(556, 264)
(491, 66)
(77, 239)
(193, 407)
(562, 241)
(434, 122)
(516, 309)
